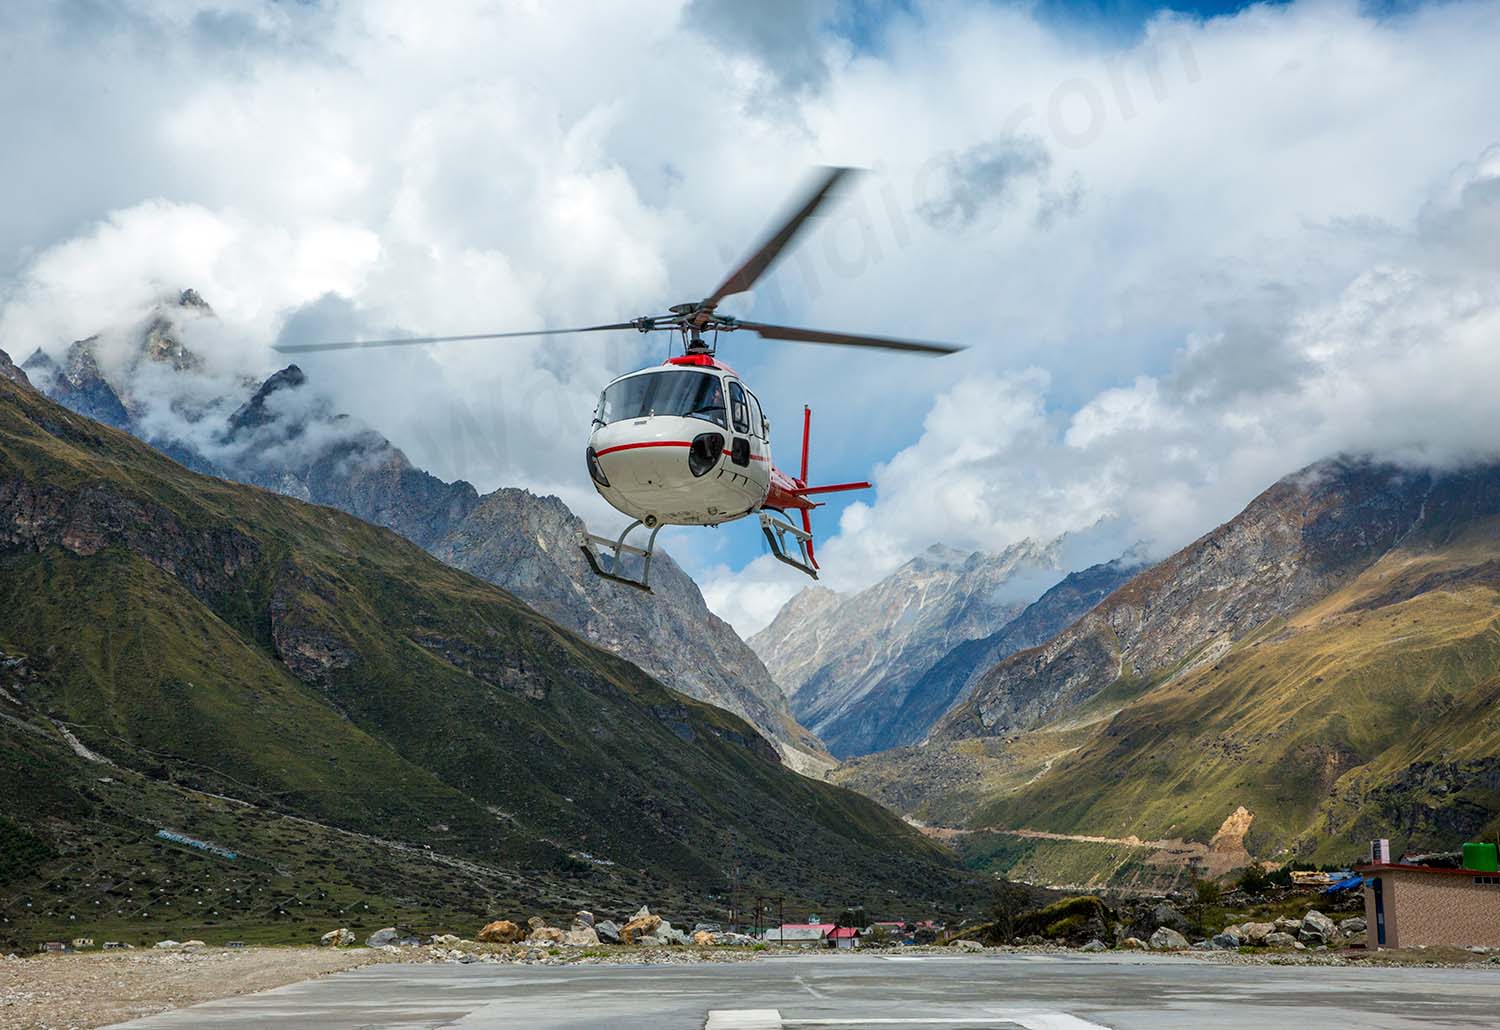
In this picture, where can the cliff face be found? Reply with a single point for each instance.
(849, 664)
(285, 437)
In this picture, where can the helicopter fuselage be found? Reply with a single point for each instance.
(684, 443)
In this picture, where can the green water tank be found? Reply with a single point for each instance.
(1482, 858)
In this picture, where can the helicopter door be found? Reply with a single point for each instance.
(739, 421)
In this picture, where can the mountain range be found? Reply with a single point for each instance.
(1322, 669)
(877, 669)
(285, 436)
(221, 706)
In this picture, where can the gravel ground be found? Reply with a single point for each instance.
(52, 992)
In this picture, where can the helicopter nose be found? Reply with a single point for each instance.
(650, 464)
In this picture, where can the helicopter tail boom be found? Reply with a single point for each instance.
(787, 494)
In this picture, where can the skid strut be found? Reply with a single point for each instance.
(776, 532)
(618, 547)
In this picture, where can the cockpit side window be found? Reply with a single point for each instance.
(739, 411)
(757, 421)
(668, 392)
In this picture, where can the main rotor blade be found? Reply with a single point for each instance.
(787, 332)
(305, 348)
(756, 264)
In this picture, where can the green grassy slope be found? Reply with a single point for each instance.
(206, 636)
(1369, 698)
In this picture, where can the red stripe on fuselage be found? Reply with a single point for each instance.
(649, 443)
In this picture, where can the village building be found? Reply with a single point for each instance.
(798, 935)
(844, 937)
(1409, 906)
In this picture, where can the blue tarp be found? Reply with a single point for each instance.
(1352, 883)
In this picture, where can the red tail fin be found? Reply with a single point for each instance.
(806, 426)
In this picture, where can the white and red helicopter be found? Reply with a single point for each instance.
(685, 443)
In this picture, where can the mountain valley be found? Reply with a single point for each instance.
(349, 722)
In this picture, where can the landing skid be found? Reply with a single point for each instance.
(776, 532)
(618, 547)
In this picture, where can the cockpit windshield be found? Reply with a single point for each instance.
(668, 392)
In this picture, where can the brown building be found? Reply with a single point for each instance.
(1410, 905)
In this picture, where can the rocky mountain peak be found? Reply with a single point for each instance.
(253, 413)
(78, 383)
(11, 371)
(190, 298)
(847, 661)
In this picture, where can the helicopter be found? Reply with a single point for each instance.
(686, 443)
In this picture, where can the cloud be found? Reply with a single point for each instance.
(987, 176)
(1183, 262)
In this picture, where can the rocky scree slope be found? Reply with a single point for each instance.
(1329, 660)
(211, 637)
(285, 437)
(848, 664)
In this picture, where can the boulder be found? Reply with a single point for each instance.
(1134, 944)
(545, 935)
(584, 937)
(968, 945)
(1167, 939)
(536, 922)
(1256, 933)
(583, 919)
(703, 938)
(641, 913)
(383, 937)
(666, 934)
(340, 938)
(1095, 945)
(193, 945)
(1234, 931)
(501, 931)
(1317, 928)
(1352, 927)
(1279, 940)
(1286, 925)
(640, 926)
(444, 940)
(608, 932)
(1225, 941)
(168, 945)
(1165, 915)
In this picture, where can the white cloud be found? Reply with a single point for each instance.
(1183, 263)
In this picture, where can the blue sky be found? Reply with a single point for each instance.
(1188, 254)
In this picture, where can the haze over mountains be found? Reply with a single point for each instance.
(282, 435)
